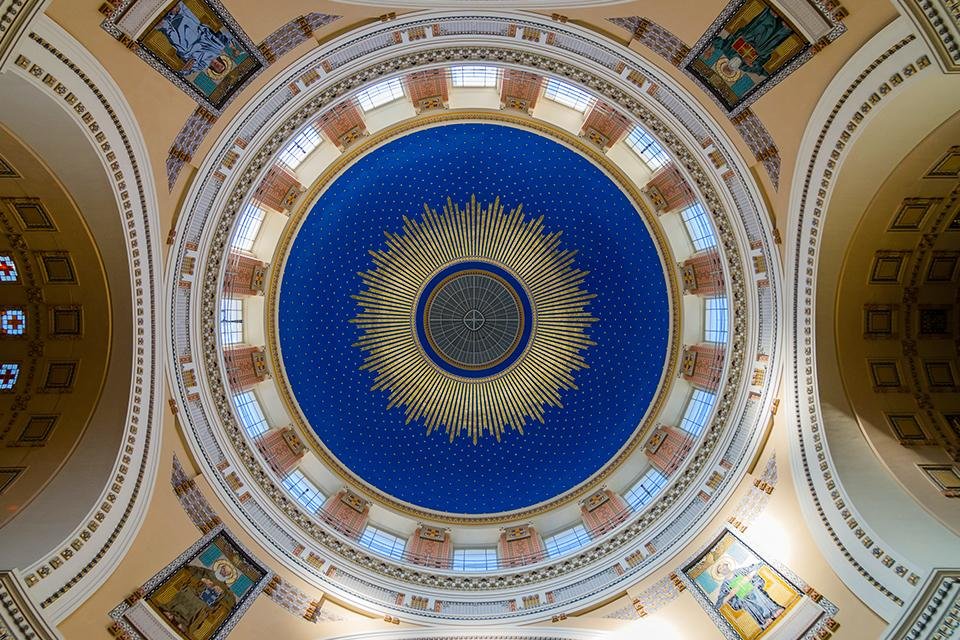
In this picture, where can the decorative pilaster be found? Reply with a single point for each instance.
(246, 366)
(702, 274)
(667, 448)
(702, 365)
(603, 511)
(245, 275)
(279, 189)
(668, 190)
(518, 546)
(604, 125)
(347, 512)
(282, 449)
(428, 89)
(520, 90)
(343, 124)
(431, 547)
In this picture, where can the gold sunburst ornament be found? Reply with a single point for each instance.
(473, 320)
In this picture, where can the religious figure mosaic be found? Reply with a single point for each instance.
(195, 43)
(748, 597)
(201, 595)
(749, 46)
(474, 320)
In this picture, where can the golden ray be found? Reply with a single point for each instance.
(473, 406)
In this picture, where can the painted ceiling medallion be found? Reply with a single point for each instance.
(474, 320)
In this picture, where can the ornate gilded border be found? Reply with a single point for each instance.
(620, 76)
(257, 165)
(340, 164)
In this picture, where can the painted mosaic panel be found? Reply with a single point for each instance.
(192, 39)
(201, 595)
(748, 597)
(751, 45)
(194, 43)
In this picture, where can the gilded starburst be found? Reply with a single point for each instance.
(474, 320)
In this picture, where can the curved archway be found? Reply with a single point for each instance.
(67, 540)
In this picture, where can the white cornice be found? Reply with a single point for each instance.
(370, 54)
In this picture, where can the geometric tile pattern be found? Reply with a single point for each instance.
(947, 166)
(943, 266)
(57, 267)
(912, 213)
(66, 321)
(36, 431)
(907, 428)
(60, 376)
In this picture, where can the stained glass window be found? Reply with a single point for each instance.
(380, 94)
(9, 372)
(13, 321)
(8, 269)
(474, 76)
(568, 95)
(647, 148)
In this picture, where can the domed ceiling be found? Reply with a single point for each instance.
(438, 353)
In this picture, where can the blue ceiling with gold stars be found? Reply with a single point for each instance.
(318, 340)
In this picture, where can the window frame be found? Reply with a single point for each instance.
(250, 414)
(644, 490)
(698, 411)
(716, 322)
(248, 228)
(231, 321)
(380, 94)
(698, 227)
(300, 146)
(568, 95)
(641, 142)
(467, 559)
(474, 76)
(294, 481)
(383, 542)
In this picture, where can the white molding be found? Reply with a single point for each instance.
(19, 615)
(94, 554)
(854, 549)
(466, 633)
(210, 204)
(15, 17)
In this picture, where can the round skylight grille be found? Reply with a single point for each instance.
(473, 319)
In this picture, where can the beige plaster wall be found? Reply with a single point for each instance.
(91, 350)
(854, 350)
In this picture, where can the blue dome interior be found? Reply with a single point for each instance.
(459, 161)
